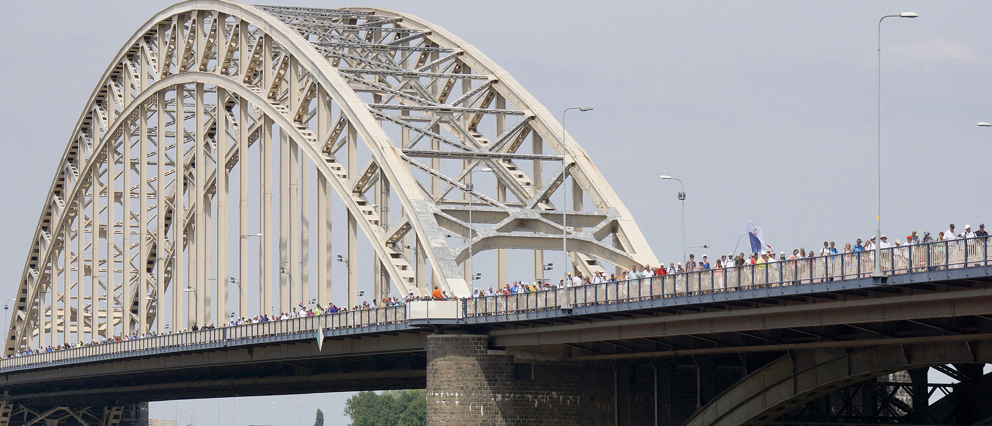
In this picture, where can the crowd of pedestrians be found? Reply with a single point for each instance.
(633, 273)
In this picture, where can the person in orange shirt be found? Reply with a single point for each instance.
(436, 295)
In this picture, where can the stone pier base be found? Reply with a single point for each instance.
(468, 384)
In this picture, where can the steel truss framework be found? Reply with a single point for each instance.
(11, 413)
(218, 122)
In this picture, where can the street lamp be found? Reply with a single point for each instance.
(681, 198)
(705, 246)
(6, 306)
(567, 304)
(877, 271)
(985, 124)
(471, 227)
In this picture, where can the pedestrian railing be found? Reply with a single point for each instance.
(844, 266)
(192, 339)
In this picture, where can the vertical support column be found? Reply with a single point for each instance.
(421, 265)
(126, 230)
(377, 267)
(160, 214)
(265, 250)
(293, 201)
(80, 270)
(265, 247)
(920, 381)
(577, 203)
(323, 241)
(243, 108)
(142, 203)
(179, 316)
(352, 262)
(95, 311)
(66, 286)
(199, 206)
(297, 293)
(500, 192)
(111, 224)
(304, 264)
(384, 221)
(222, 185)
(376, 261)
(538, 148)
(467, 196)
(142, 283)
(285, 303)
(42, 323)
(435, 143)
(323, 205)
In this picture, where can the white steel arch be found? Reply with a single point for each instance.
(179, 142)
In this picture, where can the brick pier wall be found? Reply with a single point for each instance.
(468, 384)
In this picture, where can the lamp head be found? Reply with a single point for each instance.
(706, 246)
(909, 15)
(665, 177)
(985, 124)
(585, 108)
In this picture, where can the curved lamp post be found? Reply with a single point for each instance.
(681, 198)
(567, 304)
(877, 271)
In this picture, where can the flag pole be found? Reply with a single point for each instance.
(738, 244)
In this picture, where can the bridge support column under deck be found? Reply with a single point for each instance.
(469, 384)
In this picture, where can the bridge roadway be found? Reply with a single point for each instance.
(738, 319)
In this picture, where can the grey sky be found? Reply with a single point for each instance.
(765, 109)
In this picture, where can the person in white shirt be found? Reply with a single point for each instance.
(885, 242)
(577, 279)
(598, 279)
(949, 234)
(648, 273)
(967, 232)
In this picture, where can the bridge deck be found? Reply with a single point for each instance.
(916, 264)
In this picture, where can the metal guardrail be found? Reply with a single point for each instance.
(192, 339)
(843, 266)
(839, 267)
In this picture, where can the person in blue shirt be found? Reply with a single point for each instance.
(858, 247)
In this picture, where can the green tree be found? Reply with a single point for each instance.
(401, 408)
(320, 418)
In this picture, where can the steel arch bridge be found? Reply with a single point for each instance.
(218, 123)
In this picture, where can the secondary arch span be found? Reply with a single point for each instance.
(799, 377)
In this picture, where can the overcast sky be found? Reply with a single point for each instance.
(766, 110)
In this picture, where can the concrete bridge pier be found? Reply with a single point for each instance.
(470, 384)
